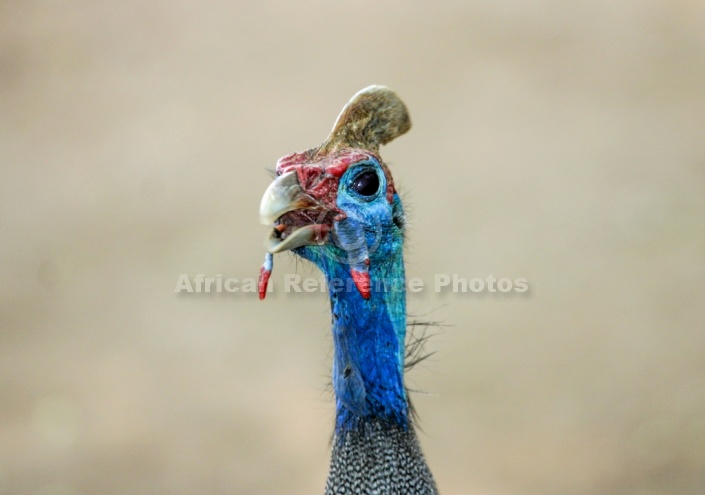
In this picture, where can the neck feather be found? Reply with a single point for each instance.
(368, 338)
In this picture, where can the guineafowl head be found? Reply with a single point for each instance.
(336, 205)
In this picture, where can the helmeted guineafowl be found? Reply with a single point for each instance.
(336, 206)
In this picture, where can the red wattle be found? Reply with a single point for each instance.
(362, 282)
(263, 281)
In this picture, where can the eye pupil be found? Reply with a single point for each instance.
(366, 184)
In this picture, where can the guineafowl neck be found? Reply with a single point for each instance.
(375, 449)
(368, 338)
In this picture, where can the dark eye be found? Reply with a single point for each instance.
(366, 184)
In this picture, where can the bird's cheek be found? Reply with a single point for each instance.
(349, 235)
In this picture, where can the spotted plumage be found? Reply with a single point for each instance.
(378, 458)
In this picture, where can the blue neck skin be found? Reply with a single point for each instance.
(368, 335)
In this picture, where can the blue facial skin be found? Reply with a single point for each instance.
(368, 335)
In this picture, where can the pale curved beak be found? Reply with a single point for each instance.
(285, 195)
(282, 196)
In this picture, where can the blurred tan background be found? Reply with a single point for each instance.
(562, 143)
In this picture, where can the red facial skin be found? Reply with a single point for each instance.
(320, 178)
